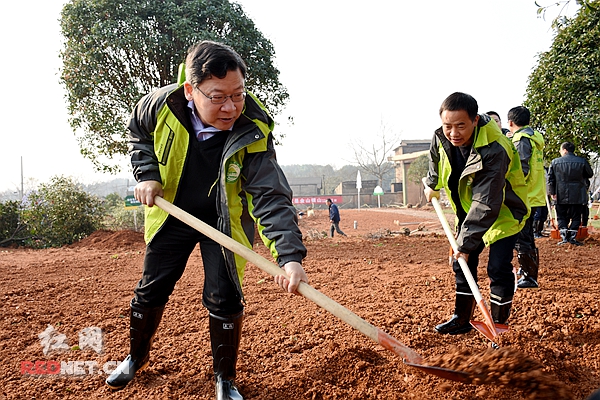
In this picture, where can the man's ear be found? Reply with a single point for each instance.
(188, 89)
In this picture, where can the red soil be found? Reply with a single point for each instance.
(291, 348)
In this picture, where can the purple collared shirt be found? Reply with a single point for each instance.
(202, 133)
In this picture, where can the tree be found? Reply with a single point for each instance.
(61, 213)
(372, 158)
(562, 5)
(116, 51)
(563, 92)
(113, 200)
(117, 217)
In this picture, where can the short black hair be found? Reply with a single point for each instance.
(458, 101)
(520, 116)
(494, 113)
(206, 59)
(568, 146)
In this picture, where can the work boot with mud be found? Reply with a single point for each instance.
(460, 322)
(529, 262)
(143, 325)
(225, 336)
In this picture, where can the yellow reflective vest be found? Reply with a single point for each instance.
(251, 188)
(491, 188)
(534, 176)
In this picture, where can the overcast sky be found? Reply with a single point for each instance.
(349, 67)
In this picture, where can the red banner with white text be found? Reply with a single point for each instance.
(314, 200)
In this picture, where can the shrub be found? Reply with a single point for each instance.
(61, 213)
(12, 227)
(120, 218)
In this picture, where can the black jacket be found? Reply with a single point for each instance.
(567, 179)
(334, 213)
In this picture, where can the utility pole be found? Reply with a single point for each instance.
(21, 178)
(358, 186)
(323, 185)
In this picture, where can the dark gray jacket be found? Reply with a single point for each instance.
(567, 179)
(251, 187)
(492, 189)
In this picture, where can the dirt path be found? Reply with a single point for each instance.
(292, 349)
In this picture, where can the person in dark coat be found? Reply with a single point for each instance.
(496, 117)
(567, 184)
(334, 218)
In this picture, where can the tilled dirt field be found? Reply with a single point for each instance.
(291, 348)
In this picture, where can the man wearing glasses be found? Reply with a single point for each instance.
(207, 146)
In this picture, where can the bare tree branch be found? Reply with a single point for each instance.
(372, 157)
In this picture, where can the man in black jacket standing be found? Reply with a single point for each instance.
(567, 179)
(334, 218)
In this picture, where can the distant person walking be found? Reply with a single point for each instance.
(567, 183)
(334, 218)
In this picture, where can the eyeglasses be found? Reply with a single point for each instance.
(220, 99)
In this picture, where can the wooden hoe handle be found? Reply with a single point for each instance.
(374, 333)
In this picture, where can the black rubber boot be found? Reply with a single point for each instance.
(460, 322)
(500, 312)
(571, 237)
(142, 327)
(225, 336)
(564, 236)
(530, 264)
(543, 232)
(537, 229)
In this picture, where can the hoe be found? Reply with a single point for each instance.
(487, 328)
(408, 355)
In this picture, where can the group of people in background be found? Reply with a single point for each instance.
(497, 184)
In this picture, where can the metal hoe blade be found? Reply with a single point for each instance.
(485, 331)
(413, 359)
(445, 373)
